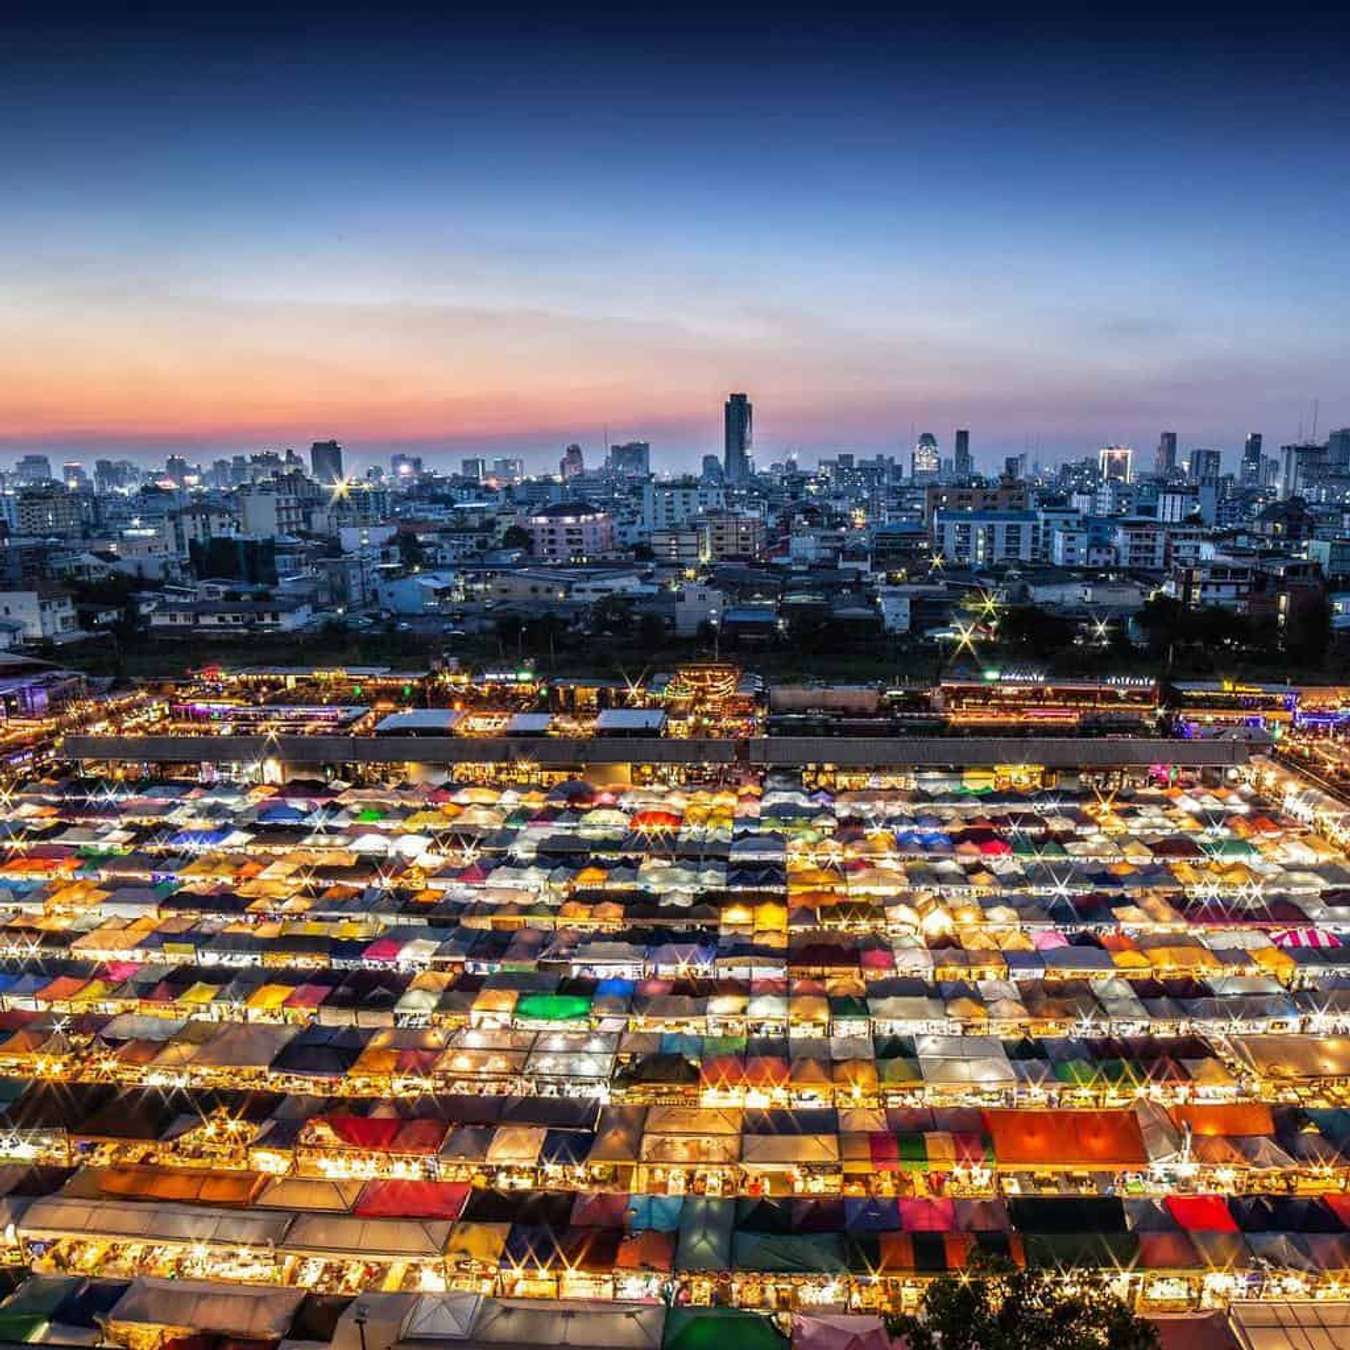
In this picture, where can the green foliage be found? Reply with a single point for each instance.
(995, 1306)
(410, 551)
(1032, 629)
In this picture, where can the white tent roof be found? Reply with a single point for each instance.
(251, 1312)
(1291, 1326)
(441, 1317)
(55, 1216)
(341, 1235)
(596, 1326)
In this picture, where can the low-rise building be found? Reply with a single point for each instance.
(571, 532)
(47, 612)
(1141, 544)
(733, 535)
(224, 614)
(985, 538)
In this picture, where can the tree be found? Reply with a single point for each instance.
(995, 1306)
(1309, 632)
(1030, 628)
(517, 536)
(410, 551)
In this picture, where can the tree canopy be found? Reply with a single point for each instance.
(995, 1306)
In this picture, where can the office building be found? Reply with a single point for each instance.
(507, 470)
(925, 460)
(1115, 464)
(1300, 466)
(573, 463)
(33, 469)
(1166, 457)
(1338, 450)
(738, 438)
(962, 465)
(325, 462)
(405, 466)
(1251, 460)
(712, 469)
(632, 459)
(1205, 466)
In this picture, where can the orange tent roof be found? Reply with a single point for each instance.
(1066, 1138)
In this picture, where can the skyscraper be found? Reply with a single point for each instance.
(738, 416)
(325, 462)
(573, 462)
(1115, 463)
(962, 465)
(1251, 460)
(1300, 467)
(1338, 450)
(1205, 466)
(1166, 455)
(925, 460)
(33, 469)
(632, 459)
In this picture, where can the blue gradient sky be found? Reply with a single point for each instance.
(234, 230)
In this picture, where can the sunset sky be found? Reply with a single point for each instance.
(228, 230)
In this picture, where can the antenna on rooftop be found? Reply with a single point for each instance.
(1317, 408)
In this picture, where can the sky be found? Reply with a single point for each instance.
(455, 231)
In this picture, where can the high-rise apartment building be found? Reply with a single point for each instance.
(738, 438)
(325, 462)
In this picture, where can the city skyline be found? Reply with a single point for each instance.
(233, 231)
(985, 461)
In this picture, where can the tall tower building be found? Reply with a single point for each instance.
(1115, 464)
(1205, 466)
(325, 462)
(1250, 473)
(962, 465)
(573, 462)
(737, 416)
(1338, 450)
(925, 460)
(1166, 455)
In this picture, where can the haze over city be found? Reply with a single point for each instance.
(226, 232)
